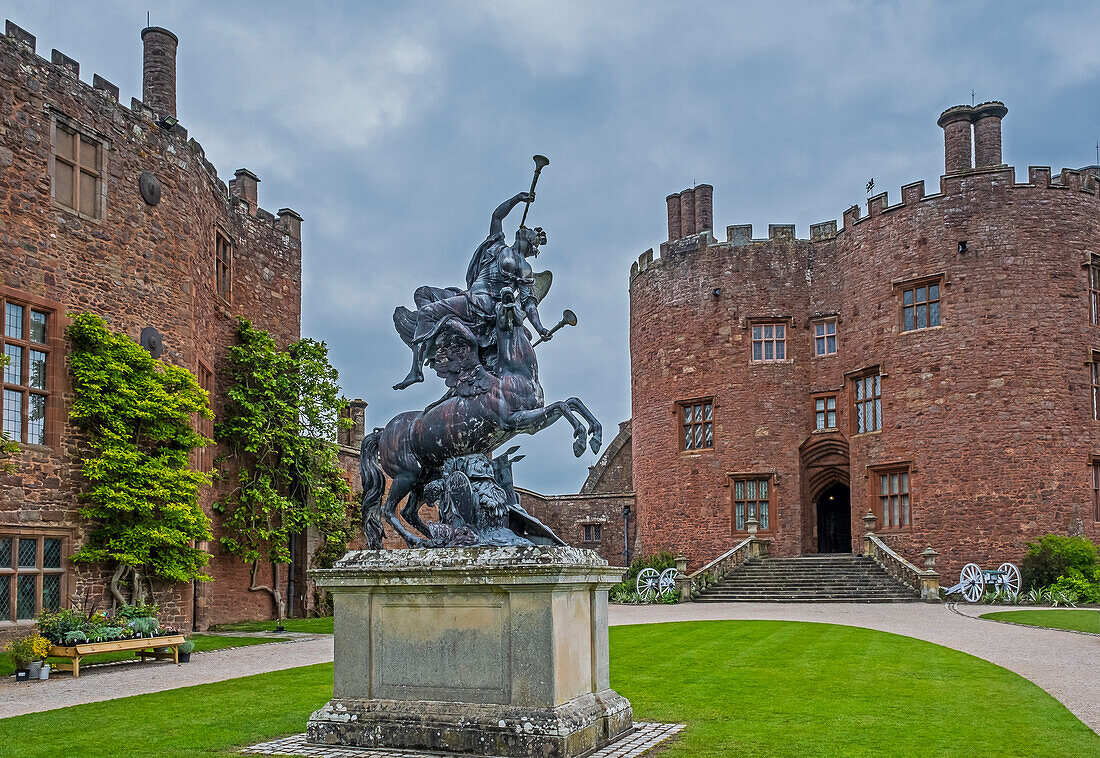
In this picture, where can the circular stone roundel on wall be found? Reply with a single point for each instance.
(151, 341)
(150, 188)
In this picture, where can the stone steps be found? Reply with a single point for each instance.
(810, 579)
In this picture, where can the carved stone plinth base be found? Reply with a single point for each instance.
(490, 651)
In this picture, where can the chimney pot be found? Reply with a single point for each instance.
(956, 138)
(674, 228)
(704, 211)
(687, 213)
(158, 73)
(245, 186)
(290, 222)
(987, 134)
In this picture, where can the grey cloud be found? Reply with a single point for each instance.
(395, 128)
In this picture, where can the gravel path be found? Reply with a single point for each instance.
(1062, 663)
(107, 682)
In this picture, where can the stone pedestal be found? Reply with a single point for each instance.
(496, 651)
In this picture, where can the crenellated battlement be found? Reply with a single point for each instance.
(156, 114)
(969, 131)
(972, 154)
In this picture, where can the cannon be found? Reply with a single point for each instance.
(974, 579)
(653, 584)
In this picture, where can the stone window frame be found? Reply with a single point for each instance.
(1093, 367)
(704, 423)
(54, 347)
(204, 457)
(1094, 470)
(68, 124)
(1092, 271)
(223, 269)
(903, 470)
(825, 321)
(855, 379)
(902, 287)
(835, 410)
(767, 477)
(762, 323)
(11, 572)
(592, 532)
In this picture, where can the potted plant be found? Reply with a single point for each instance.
(27, 652)
(185, 649)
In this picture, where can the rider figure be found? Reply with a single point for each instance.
(494, 267)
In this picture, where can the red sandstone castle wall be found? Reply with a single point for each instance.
(138, 266)
(608, 489)
(991, 411)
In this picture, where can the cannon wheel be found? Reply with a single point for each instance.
(648, 583)
(1010, 581)
(973, 582)
(667, 581)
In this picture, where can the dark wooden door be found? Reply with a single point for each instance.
(834, 520)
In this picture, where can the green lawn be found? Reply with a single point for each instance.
(1076, 619)
(202, 642)
(759, 688)
(321, 625)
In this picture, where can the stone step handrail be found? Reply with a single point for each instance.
(926, 581)
(720, 567)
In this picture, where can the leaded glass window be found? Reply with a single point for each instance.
(697, 425)
(32, 574)
(751, 500)
(26, 374)
(867, 403)
(825, 412)
(894, 499)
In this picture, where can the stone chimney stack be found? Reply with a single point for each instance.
(674, 228)
(246, 186)
(987, 134)
(704, 211)
(956, 138)
(687, 213)
(158, 71)
(357, 412)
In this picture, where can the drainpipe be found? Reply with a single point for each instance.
(626, 534)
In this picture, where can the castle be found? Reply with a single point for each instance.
(114, 210)
(935, 362)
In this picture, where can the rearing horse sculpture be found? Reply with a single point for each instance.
(481, 411)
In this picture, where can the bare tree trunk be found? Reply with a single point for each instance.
(137, 596)
(273, 590)
(115, 592)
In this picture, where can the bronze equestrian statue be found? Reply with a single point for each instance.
(476, 341)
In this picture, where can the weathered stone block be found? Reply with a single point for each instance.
(490, 651)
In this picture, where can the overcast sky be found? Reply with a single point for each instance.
(396, 128)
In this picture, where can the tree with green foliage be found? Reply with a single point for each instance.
(143, 493)
(280, 423)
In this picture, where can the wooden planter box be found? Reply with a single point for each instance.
(144, 647)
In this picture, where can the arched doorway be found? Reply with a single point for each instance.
(834, 520)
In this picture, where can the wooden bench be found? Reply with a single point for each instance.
(145, 647)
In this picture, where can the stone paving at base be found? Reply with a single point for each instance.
(646, 736)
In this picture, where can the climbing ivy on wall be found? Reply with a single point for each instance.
(280, 423)
(142, 493)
